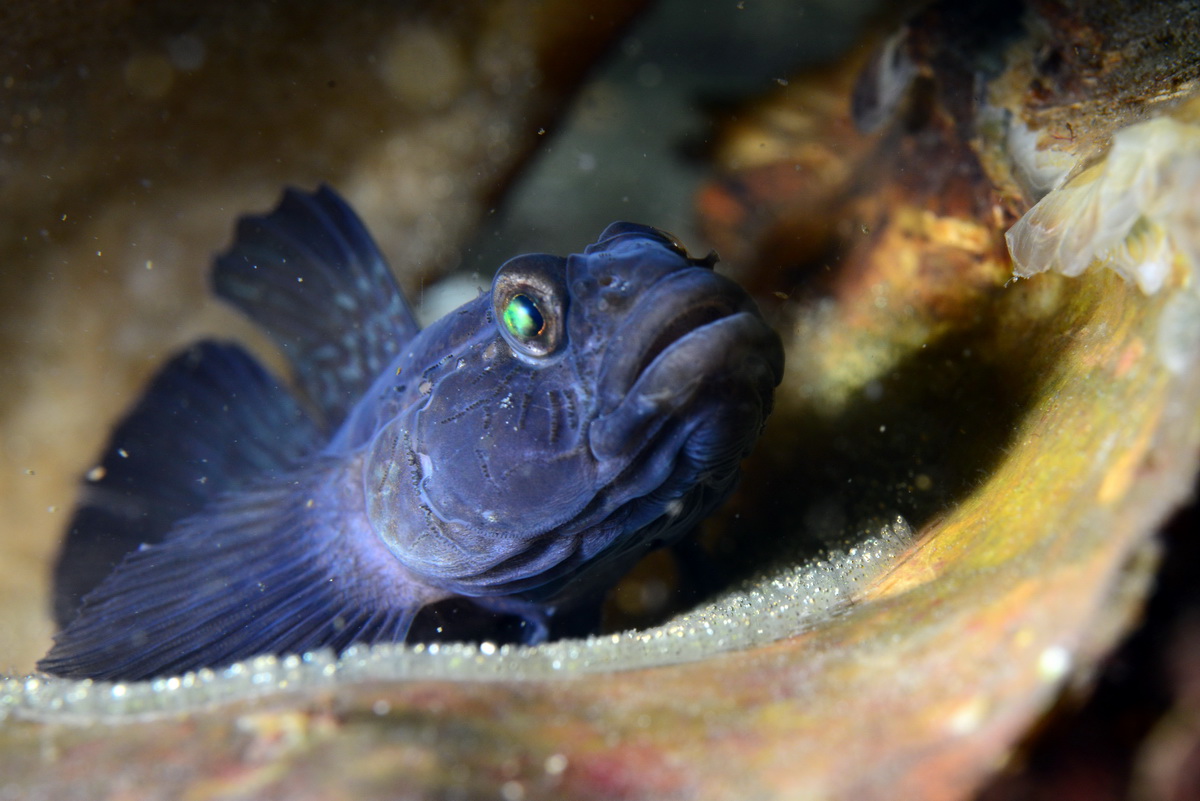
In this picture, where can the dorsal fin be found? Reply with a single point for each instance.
(209, 421)
(310, 274)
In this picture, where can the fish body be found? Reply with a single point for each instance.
(520, 454)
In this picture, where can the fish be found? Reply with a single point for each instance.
(514, 458)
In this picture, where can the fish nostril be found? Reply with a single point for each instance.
(605, 280)
(614, 300)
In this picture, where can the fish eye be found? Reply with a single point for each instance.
(528, 304)
(522, 318)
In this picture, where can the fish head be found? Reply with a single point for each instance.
(601, 410)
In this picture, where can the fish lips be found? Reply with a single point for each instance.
(701, 332)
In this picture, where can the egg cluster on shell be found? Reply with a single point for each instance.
(778, 603)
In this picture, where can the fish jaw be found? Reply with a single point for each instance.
(711, 365)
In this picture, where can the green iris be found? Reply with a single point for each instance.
(522, 318)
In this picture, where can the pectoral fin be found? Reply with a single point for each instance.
(272, 570)
(211, 420)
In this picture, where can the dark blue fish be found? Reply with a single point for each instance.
(520, 454)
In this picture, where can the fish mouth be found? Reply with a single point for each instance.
(674, 308)
(701, 331)
(680, 326)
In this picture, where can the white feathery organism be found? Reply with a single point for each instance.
(1135, 212)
